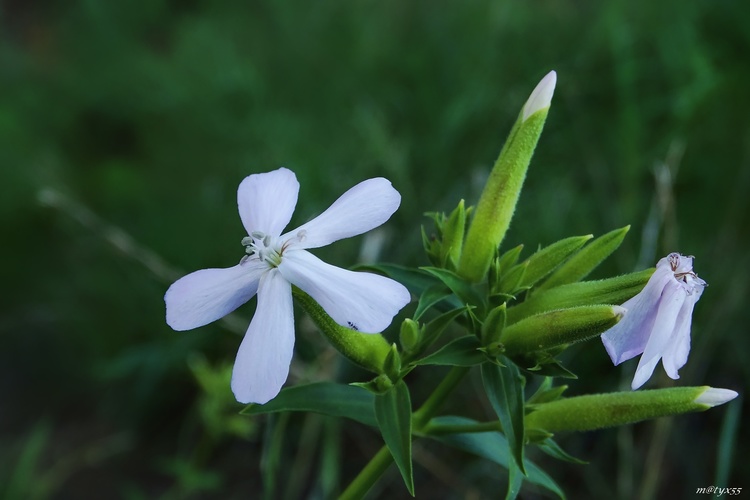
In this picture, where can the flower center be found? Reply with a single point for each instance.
(264, 247)
(268, 249)
(683, 274)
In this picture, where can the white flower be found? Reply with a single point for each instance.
(657, 322)
(274, 262)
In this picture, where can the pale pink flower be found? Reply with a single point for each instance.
(657, 321)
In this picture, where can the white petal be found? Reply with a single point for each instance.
(714, 397)
(363, 301)
(209, 294)
(666, 318)
(541, 96)
(262, 363)
(676, 354)
(629, 336)
(266, 201)
(364, 207)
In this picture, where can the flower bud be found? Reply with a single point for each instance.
(500, 195)
(585, 413)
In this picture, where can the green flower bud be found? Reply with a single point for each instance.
(410, 335)
(585, 413)
(609, 291)
(368, 350)
(498, 200)
(559, 327)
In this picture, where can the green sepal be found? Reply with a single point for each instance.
(493, 325)
(454, 228)
(463, 351)
(562, 326)
(377, 386)
(504, 388)
(535, 436)
(585, 260)
(393, 414)
(368, 350)
(327, 398)
(392, 364)
(431, 244)
(543, 363)
(510, 282)
(544, 261)
(596, 411)
(608, 291)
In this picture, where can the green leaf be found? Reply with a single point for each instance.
(328, 398)
(430, 297)
(415, 280)
(553, 449)
(463, 289)
(459, 352)
(541, 263)
(437, 326)
(509, 259)
(504, 388)
(493, 325)
(492, 446)
(586, 260)
(546, 393)
(510, 282)
(453, 236)
(515, 481)
(393, 413)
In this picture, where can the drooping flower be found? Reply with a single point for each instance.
(657, 321)
(274, 262)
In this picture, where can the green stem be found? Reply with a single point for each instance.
(383, 458)
(368, 476)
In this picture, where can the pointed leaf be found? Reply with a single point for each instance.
(328, 398)
(515, 481)
(435, 328)
(464, 290)
(494, 447)
(415, 280)
(393, 412)
(504, 388)
(548, 258)
(460, 352)
(430, 297)
(553, 449)
(586, 260)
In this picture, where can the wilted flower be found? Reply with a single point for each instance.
(274, 262)
(657, 322)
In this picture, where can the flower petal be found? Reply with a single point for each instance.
(262, 363)
(670, 306)
(629, 336)
(363, 301)
(209, 294)
(266, 201)
(676, 354)
(364, 207)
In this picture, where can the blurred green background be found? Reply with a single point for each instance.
(125, 128)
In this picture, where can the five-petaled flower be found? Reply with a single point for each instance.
(657, 321)
(274, 262)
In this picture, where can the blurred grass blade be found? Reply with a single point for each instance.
(727, 439)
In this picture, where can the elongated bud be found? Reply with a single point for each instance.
(585, 413)
(498, 201)
(368, 350)
(608, 291)
(559, 327)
